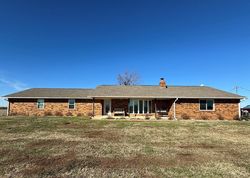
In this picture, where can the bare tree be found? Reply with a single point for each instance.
(127, 78)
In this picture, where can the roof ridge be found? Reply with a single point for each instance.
(151, 85)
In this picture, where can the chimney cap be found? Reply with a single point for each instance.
(162, 78)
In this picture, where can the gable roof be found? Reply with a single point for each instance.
(117, 91)
(155, 91)
(52, 93)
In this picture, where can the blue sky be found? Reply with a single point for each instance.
(69, 44)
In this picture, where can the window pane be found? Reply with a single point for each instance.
(71, 101)
(130, 106)
(150, 106)
(141, 106)
(40, 103)
(71, 104)
(203, 105)
(136, 106)
(145, 106)
(210, 104)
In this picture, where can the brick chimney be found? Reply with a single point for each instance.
(163, 83)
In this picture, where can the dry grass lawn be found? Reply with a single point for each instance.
(66, 147)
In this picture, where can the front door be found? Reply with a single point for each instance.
(107, 106)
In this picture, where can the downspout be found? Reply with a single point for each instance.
(175, 108)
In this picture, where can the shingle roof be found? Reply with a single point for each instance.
(52, 93)
(116, 91)
(159, 92)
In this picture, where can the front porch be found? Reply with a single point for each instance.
(137, 108)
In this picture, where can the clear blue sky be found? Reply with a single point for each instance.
(51, 43)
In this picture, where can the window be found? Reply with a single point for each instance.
(136, 106)
(131, 106)
(71, 104)
(140, 106)
(206, 105)
(40, 103)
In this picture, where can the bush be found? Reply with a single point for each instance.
(158, 118)
(79, 115)
(204, 117)
(90, 114)
(69, 114)
(48, 113)
(220, 117)
(13, 114)
(185, 117)
(58, 113)
(236, 117)
(170, 117)
(147, 116)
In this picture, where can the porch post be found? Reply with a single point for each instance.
(155, 108)
(93, 107)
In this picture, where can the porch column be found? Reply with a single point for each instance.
(93, 107)
(155, 108)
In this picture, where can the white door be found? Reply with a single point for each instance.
(107, 106)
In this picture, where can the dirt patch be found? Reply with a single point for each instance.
(50, 143)
(50, 166)
(4, 152)
(202, 146)
(106, 135)
(71, 125)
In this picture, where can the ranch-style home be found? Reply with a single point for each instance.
(188, 102)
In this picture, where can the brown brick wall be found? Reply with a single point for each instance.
(227, 109)
(54, 107)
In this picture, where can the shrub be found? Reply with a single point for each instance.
(185, 117)
(158, 118)
(220, 117)
(58, 113)
(236, 117)
(13, 114)
(48, 113)
(79, 115)
(90, 114)
(204, 117)
(69, 114)
(147, 116)
(170, 117)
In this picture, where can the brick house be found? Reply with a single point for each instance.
(194, 102)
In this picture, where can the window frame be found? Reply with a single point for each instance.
(71, 104)
(132, 103)
(43, 103)
(209, 110)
